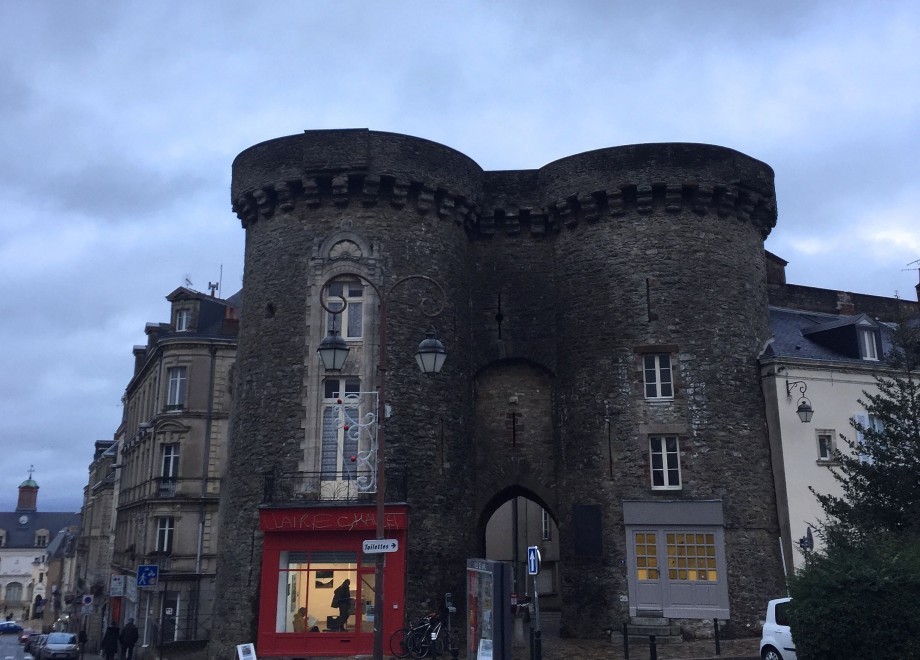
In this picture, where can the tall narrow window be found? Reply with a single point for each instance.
(665, 462)
(547, 525)
(169, 470)
(165, 528)
(656, 371)
(175, 396)
(646, 556)
(338, 445)
(182, 320)
(348, 322)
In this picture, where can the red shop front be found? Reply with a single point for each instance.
(308, 554)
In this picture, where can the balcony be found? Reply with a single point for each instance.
(292, 488)
(166, 486)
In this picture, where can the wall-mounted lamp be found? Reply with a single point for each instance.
(804, 409)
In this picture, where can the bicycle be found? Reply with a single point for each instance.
(420, 640)
(415, 640)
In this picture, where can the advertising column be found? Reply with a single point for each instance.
(488, 595)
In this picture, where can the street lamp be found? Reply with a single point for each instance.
(804, 409)
(430, 356)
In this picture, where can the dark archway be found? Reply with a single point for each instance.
(515, 519)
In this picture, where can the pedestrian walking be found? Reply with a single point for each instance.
(128, 639)
(109, 643)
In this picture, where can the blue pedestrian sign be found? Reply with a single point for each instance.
(533, 560)
(148, 575)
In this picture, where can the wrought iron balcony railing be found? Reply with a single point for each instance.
(314, 487)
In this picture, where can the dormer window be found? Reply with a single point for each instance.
(183, 318)
(41, 538)
(868, 343)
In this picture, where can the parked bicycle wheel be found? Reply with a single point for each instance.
(399, 646)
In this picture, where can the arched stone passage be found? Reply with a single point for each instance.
(515, 519)
(513, 433)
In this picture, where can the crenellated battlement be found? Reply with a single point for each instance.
(342, 190)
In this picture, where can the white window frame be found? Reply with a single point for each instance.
(183, 319)
(332, 431)
(350, 321)
(829, 435)
(658, 380)
(177, 386)
(868, 344)
(665, 451)
(166, 528)
(169, 461)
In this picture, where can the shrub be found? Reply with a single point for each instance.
(858, 601)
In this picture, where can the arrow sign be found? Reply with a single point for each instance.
(533, 560)
(375, 546)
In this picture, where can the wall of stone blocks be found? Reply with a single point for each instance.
(556, 279)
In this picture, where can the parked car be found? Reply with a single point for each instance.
(24, 635)
(31, 645)
(34, 645)
(60, 646)
(10, 628)
(776, 640)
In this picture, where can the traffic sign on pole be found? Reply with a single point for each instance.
(533, 560)
(148, 575)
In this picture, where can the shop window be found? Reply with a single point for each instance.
(691, 557)
(310, 582)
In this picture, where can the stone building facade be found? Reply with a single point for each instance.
(609, 306)
(171, 453)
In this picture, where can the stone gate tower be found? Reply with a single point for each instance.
(604, 314)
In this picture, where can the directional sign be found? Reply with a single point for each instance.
(148, 575)
(375, 546)
(533, 560)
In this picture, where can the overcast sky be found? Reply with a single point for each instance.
(120, 121)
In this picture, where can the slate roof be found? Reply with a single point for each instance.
(23, 536)
(794, 335)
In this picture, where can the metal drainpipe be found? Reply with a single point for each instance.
(209, 423)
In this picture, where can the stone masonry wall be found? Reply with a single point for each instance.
(556, 280)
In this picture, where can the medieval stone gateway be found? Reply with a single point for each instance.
(603, 318)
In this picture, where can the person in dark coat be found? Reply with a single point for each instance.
(128, 639)
(81, 638)
(341, 598)
(109, 643)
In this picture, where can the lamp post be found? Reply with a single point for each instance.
(430, 356)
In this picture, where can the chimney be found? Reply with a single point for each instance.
(845, 304)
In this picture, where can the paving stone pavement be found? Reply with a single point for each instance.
(558, 648)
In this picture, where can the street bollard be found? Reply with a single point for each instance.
(652, 648)
(715, 622)
(538, 645)
(625, 641)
